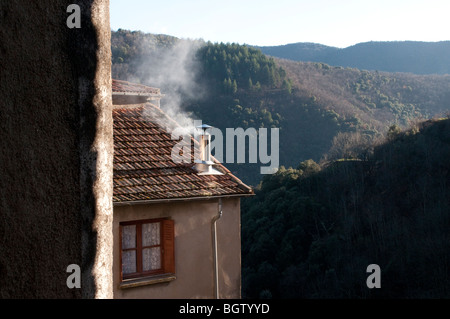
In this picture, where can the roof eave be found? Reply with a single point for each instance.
(181, 199)
(152, 95)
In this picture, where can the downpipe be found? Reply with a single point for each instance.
(215, 253)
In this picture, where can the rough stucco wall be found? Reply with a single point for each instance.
(51, 84)
(194, 264)
(95, 102)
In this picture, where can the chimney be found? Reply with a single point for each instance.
(204, 164)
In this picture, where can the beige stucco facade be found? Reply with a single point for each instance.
(194, 261)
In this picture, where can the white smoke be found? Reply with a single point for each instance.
(174, 71)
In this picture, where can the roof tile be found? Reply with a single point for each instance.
(143, 167)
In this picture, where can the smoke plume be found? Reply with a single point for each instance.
(174, 70)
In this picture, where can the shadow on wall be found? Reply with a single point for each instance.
(51, 198)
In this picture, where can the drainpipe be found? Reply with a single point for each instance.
(216, 263)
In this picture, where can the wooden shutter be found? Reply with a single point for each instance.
(168, 236)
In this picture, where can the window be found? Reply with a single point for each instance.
(147, 248)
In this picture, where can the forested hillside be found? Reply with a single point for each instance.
(374, 98)
(364, 177)
(323, 112)
(397, 56)
(311, 231)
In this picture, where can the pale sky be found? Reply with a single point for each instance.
(338, 23)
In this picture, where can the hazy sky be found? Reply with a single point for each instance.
(339, 23)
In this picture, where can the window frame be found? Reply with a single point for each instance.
(166, 244)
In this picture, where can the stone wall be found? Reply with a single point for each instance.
(56, 149)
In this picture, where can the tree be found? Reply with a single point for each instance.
(394, 131)
(234, 87)
(348, 145)
(287, 85)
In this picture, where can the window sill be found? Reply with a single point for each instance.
(131, 283)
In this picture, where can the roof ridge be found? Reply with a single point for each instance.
(126, 87)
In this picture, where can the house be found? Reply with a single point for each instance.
(176, 227)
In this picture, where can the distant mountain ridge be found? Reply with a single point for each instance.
(398, 56)
(322, 111)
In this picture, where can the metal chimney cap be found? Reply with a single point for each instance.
(204, 127)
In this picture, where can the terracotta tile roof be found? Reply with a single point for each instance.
(143, 167)
(123, 88)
